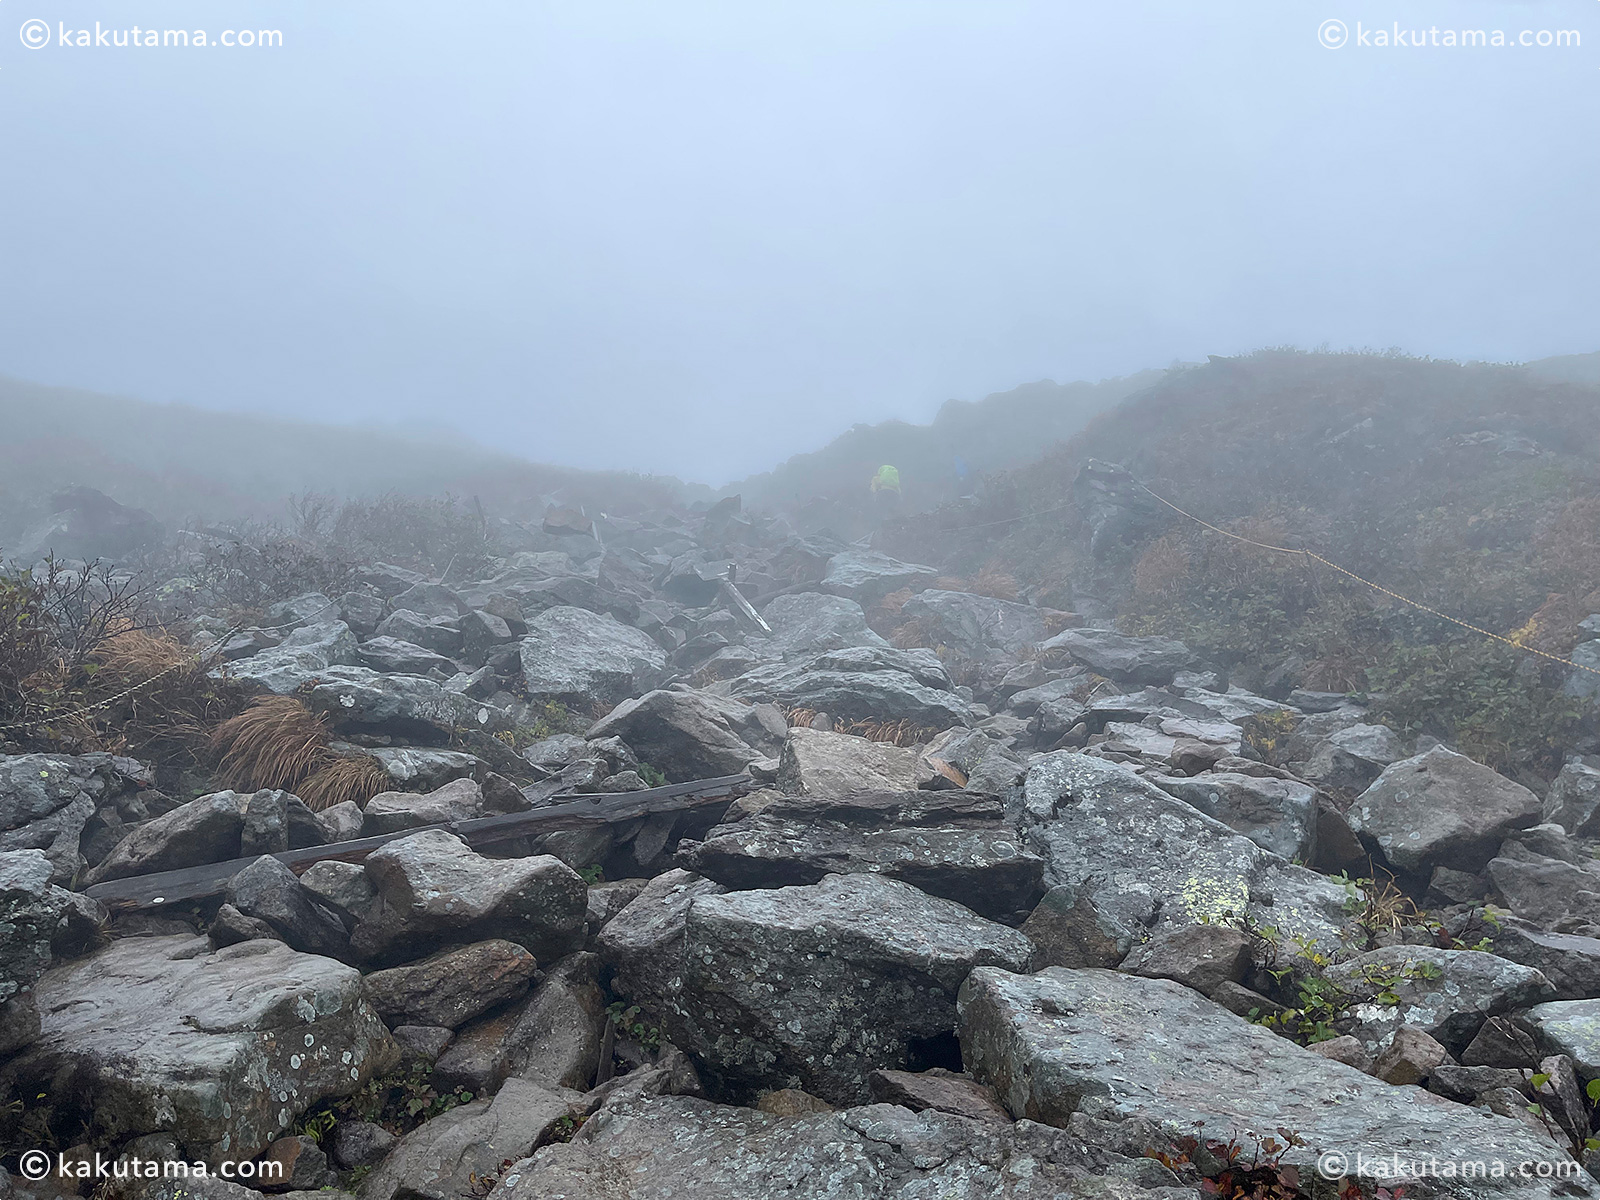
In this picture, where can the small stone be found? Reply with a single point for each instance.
(1410, 1057)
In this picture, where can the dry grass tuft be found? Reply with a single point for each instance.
(990, 581)
(357, 778)
(275, 743)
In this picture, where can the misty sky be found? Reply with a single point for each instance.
(698, 237)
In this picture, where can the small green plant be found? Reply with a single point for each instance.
(566, 1127)
(318, 1125)
(592, 874)
(652, 776)
(630, 1021)
(399, 1102)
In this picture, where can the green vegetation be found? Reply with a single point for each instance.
(631, 1022)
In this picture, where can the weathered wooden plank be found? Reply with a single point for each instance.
(211, 879)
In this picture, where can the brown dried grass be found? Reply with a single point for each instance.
(277, 742)
(355, 777)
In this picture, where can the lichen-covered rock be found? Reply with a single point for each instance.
(815, 987)
(390, 812)
(222, 1049)
(1573, 801)
(1279, 815)
(1115, 1048)
(1142, 859)
(30, 907)
(432, 889)
(306, 652)
(47, 799)
(1571, 963)
(1441, 809)
(1570, 1027)
(815, 763)
(665, 1148)
(1445, 993)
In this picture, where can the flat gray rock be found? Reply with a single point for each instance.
(222, 1049)
(575, 656)
(1117, 1047)
(670, 1147)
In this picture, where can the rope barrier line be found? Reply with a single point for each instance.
(1377, 587)
(215, 647)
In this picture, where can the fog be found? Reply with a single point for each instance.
(697, 238)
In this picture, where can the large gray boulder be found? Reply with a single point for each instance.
(1142, 860)
(819, 763)
(952, 844)
(223, 1049)
(269, 891)
(366, 700)
(1573, 801)
(390, 812)
(451, 987)
(868, 576)
(1569, 961)
(1550, 892)
(1350, 759)
(202, 831)
(643, 943)
(694, 735)
(1570, 1027)
(390, 655)
(813, 623)
(667, 1147)
(858, 683)
(1131, 660)
(302, 655)
(432, 889)
(975, 625)
(1117, 1047)
(1441, 809)
(30, 907)
(1279, 815)
(1445, 993)
(815, 987)
(575, 656)
(47, 799)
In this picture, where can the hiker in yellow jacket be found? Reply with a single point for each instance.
(886, 491)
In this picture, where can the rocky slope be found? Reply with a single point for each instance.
(1086, 919)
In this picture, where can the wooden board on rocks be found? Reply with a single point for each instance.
(578, 812)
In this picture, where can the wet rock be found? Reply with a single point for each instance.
(857, 684)
(30, 907)
(1441, 809)
(940, 1090)
(861, 965)
(424, 769)
(1573, 801)
(867, 576)
(1069, 929)
(295, 1164)
(1350, 759)
(1276, 814)
(1445, 993)
(644, 942)
(230, 927)
(359, 1144)
(574, 656)
(1203, 957)
(423, 1042)
(443, 1159)
(670, 1147)
(363, 699)
(206, 830)
(340, 886)
(451, 987)
(390, 655)
(1410, 1057)
(694, 735)
(269, 891)
(973, 625)
(1549, 892)
(552, 1037)
(952, 844)
(1129, 660)
(390, 812)
(46, 800)
(222, 1049)
(1145, 860)
(1500, 1043)
(813, 623)
(301, 656)
(608, 899)
(431, 888)
(1570, 1027)
(1116, 1047)
(1571, 963)
(835, 764)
